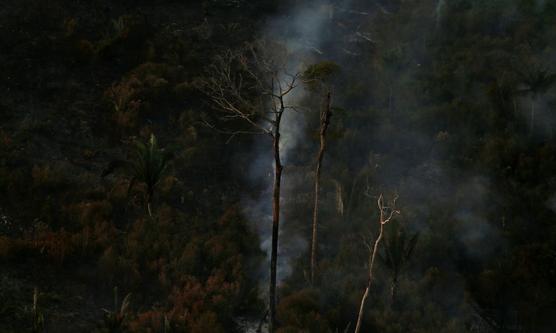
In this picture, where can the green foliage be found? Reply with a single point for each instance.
(320, 72)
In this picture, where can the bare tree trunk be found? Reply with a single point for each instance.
(267, 75)
(275, 223)
(324, 122)
(369, 281)
(386, 214)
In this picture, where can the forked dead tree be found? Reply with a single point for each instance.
(253, 85)
(386, 213)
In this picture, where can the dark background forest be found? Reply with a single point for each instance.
(449, 105)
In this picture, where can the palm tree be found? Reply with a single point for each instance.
(398, 248)
(147, 167)
(537, 82)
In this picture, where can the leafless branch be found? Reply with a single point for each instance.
(232, 134)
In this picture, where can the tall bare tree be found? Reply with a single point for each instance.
(325, 115)
(253, 85)
(316, 77)
(386, 213)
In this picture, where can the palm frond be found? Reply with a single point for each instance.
(398, 248)
(147, 166)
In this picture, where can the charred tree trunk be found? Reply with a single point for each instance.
(275, 222)
(231, 83)
(324, 122)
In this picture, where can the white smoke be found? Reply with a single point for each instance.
(302, 31)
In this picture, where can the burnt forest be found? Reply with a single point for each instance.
(278, 166)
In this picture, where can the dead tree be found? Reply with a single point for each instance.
(318, 79)
(325, 115)
(385, 215)
(254, 86)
